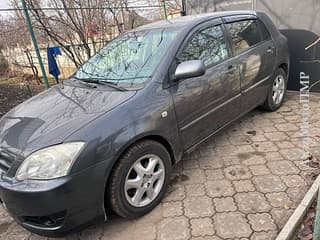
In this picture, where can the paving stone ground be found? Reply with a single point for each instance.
(243, 183)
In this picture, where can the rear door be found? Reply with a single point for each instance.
(254, 51)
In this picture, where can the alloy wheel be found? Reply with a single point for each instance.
(144, 180)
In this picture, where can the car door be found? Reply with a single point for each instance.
(222, 92)
(197, 99)
(255, 55)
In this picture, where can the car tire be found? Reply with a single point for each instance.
(278, 88)
(137, 184)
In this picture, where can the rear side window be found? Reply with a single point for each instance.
(264, 31)
(244, 34)
(208, 45)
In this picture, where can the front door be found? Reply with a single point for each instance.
(201, 103)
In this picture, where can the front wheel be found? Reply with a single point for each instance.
(277, 91)
(139, 179)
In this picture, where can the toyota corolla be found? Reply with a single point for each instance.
(106, 139)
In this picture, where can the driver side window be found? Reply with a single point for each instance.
(207, 45)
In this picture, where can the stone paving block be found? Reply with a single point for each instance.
(258, 170)
(202, 227)
(240, 140)
(281, 216)
(294, 181)
(264, 235)
(175, 193)
(279, 121)
(237, 172)
(210, 163)
(296, 194)
(268, 129)
(279, 200)
(243, 186)
(245, 149)
(190, 164)
(226, 151)
(282, 167)
(206, 238)
(206, 152)
(172, 209)
(219, 188)
(292, 154)
(152, 217)
(194, 190)
(276, 136)
(252, 158)
(194, 176)
(261, 222)
(176, 228)
(231, 160)
(195, 207)
(15, 232)
(260, 121)
(224, 204)
(265, 147)
(302, 165)
(252, 202)
(285, 127)
(215, 174)
(268, 183)
(274, 156)
(231, 225)
(258, 138)
(285, 145)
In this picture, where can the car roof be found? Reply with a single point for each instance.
(192, 20)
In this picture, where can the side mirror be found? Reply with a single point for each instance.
(190, 69)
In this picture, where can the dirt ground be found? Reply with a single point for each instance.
(12, 92)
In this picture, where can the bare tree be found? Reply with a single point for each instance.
(80, 27)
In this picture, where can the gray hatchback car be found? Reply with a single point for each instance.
(106, 139)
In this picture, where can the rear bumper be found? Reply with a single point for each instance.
(55, 207)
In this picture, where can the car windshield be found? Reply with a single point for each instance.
(130, 59)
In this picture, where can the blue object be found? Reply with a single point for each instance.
(52, 63)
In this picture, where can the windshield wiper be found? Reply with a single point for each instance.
(102, 82)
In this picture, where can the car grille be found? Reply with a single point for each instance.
(6, 160)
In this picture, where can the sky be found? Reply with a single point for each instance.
(4, 3)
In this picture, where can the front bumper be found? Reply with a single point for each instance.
(55, 207)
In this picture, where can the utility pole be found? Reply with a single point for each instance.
(184, 8)
(164, 9)
(34, 40)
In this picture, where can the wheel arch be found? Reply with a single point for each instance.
(285, 67)
(155, 137)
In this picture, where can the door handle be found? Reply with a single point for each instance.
(230, 69)
(270, 50)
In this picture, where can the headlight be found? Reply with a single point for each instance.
(49, 163)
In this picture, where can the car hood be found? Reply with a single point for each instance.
(50, 117)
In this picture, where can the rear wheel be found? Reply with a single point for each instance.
(277, 91)
(140, 179)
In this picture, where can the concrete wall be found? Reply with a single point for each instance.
(300, 20)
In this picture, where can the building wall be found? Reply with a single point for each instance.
(299, 21)
(292, 14)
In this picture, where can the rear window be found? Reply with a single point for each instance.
(244, 34)
(264, 31)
